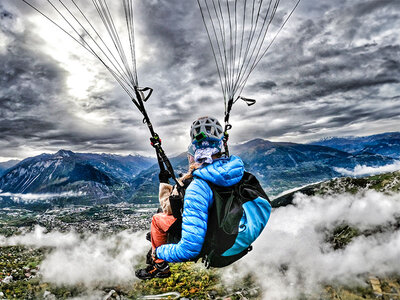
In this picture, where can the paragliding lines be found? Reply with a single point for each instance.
(114, 62)
(73, 21)
(117, 71)
(128, 8)
(272, 41)
(238, 35)
(109, 24)
(258, 44)
(220, 68)
(100, 34)
(237, 31)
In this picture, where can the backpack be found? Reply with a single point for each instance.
(236, 218)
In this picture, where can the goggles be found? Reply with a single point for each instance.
(200, 137)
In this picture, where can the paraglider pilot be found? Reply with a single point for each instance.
(206, 164)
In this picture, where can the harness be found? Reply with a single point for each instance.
(224, 217)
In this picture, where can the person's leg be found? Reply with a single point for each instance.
(159, 226)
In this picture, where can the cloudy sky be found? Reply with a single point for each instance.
(334, 70)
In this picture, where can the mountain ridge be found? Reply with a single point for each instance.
(101, 178)
(387, 144)
(279, 166)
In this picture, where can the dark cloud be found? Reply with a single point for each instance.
(36, 109)
(371, 7)
(26, 128)
(265, 85)
(165, 25)
(340, 78)
(334, 69)
(5, 15)
(29, 81)
(207, 82)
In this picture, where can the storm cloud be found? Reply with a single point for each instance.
(334, 70)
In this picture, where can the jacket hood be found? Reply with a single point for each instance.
(222, 172)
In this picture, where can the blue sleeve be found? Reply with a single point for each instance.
(198, 198)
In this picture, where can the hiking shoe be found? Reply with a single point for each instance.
(158, 270)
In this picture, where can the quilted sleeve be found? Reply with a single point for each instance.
(198, 199)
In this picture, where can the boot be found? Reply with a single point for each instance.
(158, 270)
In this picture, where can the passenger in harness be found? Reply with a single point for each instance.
(224, 207)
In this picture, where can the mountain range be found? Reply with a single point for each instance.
(282, 166)
(84, 178)
(387, 144)
(93, 178)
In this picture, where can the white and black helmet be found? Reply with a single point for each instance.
(206, 127)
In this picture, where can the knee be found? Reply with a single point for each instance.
(156, 218)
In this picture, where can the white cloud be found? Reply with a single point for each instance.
(292, 256)
(29, 198)
(89, 260)
(366, 170)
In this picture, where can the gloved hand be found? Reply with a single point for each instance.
(164, 176)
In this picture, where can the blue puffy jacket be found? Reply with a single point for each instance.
(198, 200)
